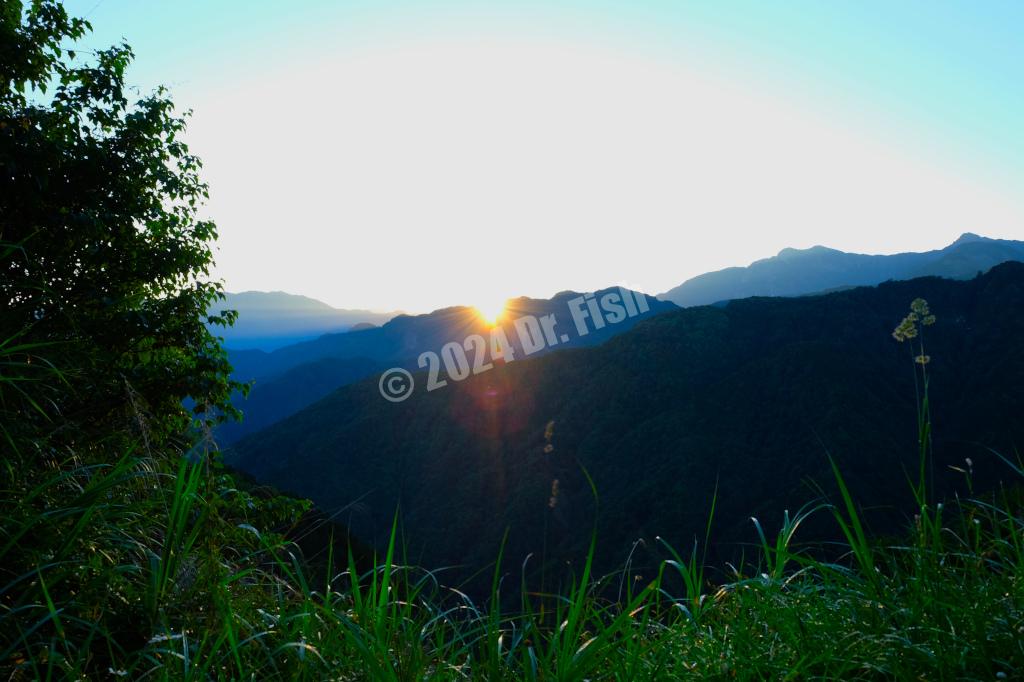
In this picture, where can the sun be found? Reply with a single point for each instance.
(491, 311)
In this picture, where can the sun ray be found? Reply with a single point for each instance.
(491, 311)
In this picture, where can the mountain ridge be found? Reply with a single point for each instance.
(797, 272)
(399, 342)
(268, 320)
(660, 413)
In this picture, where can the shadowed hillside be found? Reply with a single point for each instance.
(752, 395)
(292, 377)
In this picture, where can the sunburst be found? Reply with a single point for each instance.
(491, 311)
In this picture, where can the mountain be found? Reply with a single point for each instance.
(796, 272)
(750, 397)
(402, 339)
(297, 375)
(268, 320)
(272, 399)
(279, 332)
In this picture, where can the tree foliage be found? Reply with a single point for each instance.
(105, 259)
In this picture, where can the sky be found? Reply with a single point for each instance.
(415, 155)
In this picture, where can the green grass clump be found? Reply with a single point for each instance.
(159, 565)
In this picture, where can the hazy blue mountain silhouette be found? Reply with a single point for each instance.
(401, 340)
(271, 319)
(272, 399)
(751, 396)
(297, 375)
(796, 272)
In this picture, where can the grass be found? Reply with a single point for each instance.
(159, 566)
(121, 597)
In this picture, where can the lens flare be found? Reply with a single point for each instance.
(491, 311)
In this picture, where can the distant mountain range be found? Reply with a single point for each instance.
(294, 376)
(297, 349)
(796, 272)
(274, 398)
(750, 396)
(271, 319)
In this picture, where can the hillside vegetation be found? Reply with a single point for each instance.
(128, 552)
(337, 360)
(752, 397)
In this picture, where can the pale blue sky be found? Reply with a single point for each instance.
(416, 155)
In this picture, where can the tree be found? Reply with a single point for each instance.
(105, 262)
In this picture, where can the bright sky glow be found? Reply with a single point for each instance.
(398, 156)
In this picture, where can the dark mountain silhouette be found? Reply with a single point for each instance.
(796, 272)
(297, 375)
(402, 339)
(277, 397)
(752, 395)
(271, 319)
